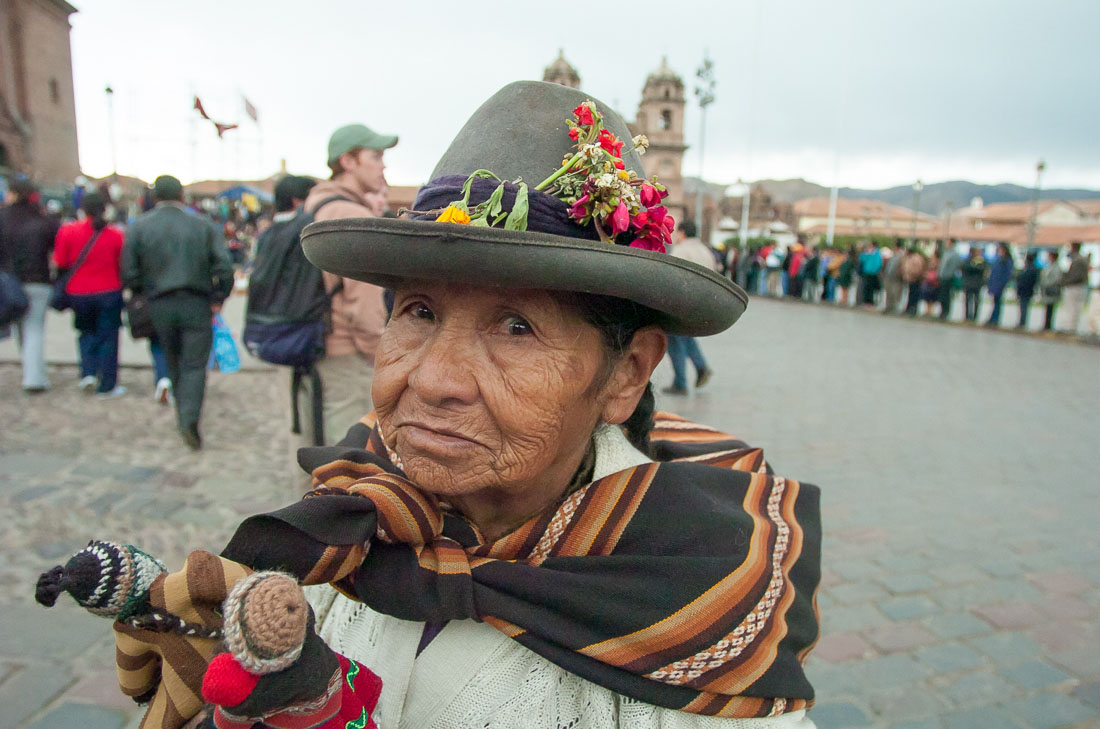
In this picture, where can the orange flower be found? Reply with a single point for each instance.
(454, 214)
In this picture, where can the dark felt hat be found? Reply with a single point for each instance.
(521, 132)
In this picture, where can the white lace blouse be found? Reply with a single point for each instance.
(472, 675)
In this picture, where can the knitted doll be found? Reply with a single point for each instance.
(162, 620)
(277, 671)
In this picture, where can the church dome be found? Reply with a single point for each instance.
(562, 72)
(664, 73)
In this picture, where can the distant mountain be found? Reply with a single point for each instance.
(932, 198)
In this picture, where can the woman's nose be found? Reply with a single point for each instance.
(446, 369)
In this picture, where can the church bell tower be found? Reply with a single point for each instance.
(661, 119)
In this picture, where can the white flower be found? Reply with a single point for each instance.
(592, 152)
(641, 143)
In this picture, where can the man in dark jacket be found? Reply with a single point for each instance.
(1025, 287)
(26, 240)
(180, 262)
(973, 279)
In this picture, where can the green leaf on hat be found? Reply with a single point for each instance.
(517, 219)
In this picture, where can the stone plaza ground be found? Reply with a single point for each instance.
(960, 490)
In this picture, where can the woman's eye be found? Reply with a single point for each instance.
(519, 327)
(420, 311)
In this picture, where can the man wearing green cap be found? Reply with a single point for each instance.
(180, 262)
(355, 157)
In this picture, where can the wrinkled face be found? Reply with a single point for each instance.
(483, 388)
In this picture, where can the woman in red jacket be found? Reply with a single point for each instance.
(96, 291)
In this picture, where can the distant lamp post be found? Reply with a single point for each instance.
(111, 121)
(704, 91)
(917, 187)
(744, 191)
(947, 207)
(1031, 225)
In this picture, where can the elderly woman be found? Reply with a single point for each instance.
(514, 538)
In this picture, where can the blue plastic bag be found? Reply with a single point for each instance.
(224, 351)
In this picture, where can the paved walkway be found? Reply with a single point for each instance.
(959, 474)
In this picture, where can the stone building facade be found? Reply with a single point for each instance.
(37, 105)
(660, 117)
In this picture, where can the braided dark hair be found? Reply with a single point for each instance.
(617, 321)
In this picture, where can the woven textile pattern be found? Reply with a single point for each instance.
(704, 567)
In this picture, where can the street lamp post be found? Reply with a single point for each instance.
(948, 207)
(745, 202)
(917, 187)
(704, 91)
(1035, 204)
(111, 120)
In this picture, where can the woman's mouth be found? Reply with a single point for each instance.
(432, 438)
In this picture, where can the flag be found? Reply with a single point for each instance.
(251, 110)
(221, 128)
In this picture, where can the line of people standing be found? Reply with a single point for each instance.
(900, 279)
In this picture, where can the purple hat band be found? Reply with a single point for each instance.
(546, 213)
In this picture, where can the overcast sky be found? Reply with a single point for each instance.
(864, 93)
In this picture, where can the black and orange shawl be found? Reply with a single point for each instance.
(687, 583)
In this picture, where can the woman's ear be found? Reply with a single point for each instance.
(631, 374)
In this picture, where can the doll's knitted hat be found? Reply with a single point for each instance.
(111, 580)
(266, 618)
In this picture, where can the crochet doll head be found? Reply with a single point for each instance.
(110, 580)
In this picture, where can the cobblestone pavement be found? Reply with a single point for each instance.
(960, 493)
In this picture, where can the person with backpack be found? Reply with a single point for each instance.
(27, 236)
(288, 307)
(357, 310)
(92, 250)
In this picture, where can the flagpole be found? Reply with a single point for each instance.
(194, 137)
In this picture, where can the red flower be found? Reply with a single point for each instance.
(612, 145)
(579, 212)
(620, 220)
(619, 164)
(654, 226)
(649, 195)
(647, 244)
(584, 114)
(574, 132)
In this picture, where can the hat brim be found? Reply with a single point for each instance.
(690, 299)
(385, 142)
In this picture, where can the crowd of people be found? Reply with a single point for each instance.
(896, 278)
(172, 259)
(172, 266)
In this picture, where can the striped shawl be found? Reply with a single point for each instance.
(688, 583)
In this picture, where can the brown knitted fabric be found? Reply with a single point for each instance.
(171, 664)
(265, 621)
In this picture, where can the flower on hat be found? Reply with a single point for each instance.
(610, 143)
(654, 227)
(593, 181)
(584, 113)
(454, 214)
